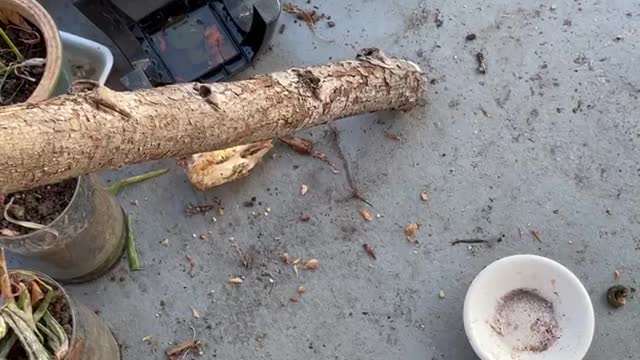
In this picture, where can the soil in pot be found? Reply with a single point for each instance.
(22, 54)
(40, 206)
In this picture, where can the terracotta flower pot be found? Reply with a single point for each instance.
(52, 82)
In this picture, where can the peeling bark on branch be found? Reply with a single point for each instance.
(96, 128)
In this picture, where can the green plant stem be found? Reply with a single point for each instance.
(117, 187)
(132, 254)
(19, 57)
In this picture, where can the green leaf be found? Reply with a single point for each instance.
(28, 338)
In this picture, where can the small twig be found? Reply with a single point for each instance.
(13, 48)
(355, 194)
(132, 254)
(469, 241)
(117, 187)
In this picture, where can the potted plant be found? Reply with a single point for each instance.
(73, 230)
(39, 321)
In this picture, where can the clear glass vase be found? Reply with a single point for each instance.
(82, 243)
(90, 337)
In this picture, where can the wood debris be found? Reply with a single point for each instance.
(312, 264)
(234, 281)
(369, 249)
(411, 231)
(424, 196)
(303, 189)
(366, 214)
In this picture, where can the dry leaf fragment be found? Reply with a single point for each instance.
(12, 17)
(301, 290)
(411, 231)
(8, 232)
(392, 136)
(312, 264)
(369, 249)
(235, 281)
(617, 275)
(424, 196)
(294, 299)
(180, 351)
(536, 235)
(195, 313)
(303, 189)
(36, 293)
(305, 147)
(366, 214)
(299, 145)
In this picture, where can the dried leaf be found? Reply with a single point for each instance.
(235, 281)
(303, 189)
(392, 136)
(369, 249)
(26, 224)
(424, 196)
(312, 264)
(299, 145)
(181, 350)
(12, 17)
(366, 214)
(301, 290)
(8, 232)
(195, 313)
(36, 293)
(411, 231)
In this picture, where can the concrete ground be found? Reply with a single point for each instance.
(548, 139)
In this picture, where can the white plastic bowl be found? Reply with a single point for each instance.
(85, 59)
(546, 278)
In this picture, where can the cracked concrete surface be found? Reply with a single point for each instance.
(547, 139)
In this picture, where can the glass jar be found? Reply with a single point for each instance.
(90, 337)
(82, 243)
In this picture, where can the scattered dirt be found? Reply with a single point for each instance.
(617, 295)
(20, 83)
(40, 205)
(526, 321)
(482, 64)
